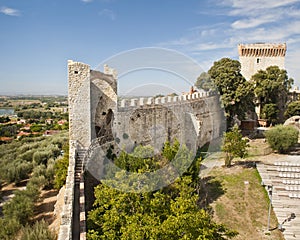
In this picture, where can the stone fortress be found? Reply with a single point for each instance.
(259, 56)
(98, 116)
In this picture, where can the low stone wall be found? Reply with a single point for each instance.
(65, 231)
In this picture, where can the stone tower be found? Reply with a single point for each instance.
(259, 56)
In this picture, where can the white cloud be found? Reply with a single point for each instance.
(255, 21)
(108, 13)
(10, 11)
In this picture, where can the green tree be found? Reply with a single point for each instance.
(270, 112)
(204, 82)
(281, 138)
(234, 145)
(272, 87)
(236, 93)
(169, 213)
(61, 168)
(121, 215)
(293, 109)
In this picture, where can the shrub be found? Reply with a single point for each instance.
(19, 208)
(234, 145)
(281, 138)
(61, 169)
(9, 228)
(41, 157)
(39, 231)
(293, 109)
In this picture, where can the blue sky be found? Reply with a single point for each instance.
(38, 37)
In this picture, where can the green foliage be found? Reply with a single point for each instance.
(169, 213)
(204, 82)
(61, 168)
(39, 231)
(272, 86)
(8, 130)
(236, 93)
(293, 109)
(281, 138)
(9, 228)
(169, 152)
(270, 113)
(234, 145)
(16, 171)
(4, 119)
(19, 208)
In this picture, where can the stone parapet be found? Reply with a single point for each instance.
(136, 102)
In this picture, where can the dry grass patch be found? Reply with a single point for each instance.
(242, 204)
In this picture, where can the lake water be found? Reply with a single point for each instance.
(6, 111)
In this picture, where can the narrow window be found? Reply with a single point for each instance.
(257, 60)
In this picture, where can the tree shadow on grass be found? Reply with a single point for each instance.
(246, 164)
(210, 190)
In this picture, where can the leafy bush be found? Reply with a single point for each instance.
(19, 208)
(61, 168)
(234, 145)
(41, 157)
(9, 228)
(16, 171)
(293, 109)
(281, 138)
(39, 231)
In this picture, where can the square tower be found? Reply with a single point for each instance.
(259, 56)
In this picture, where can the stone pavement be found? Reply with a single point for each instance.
(211, 161)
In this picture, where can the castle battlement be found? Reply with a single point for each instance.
(260, 56)
(136, 102)
(262, 50)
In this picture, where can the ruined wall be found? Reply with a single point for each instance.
(259, 56)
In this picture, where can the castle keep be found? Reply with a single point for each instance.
(259, 56)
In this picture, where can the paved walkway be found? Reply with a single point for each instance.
(213, 160)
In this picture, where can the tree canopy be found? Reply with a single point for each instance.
(169, 213)
(204, 82)
(236, 93)
(293, 109)
(271, 87)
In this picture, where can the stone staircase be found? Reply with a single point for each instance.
(79, 165)
(284, 176)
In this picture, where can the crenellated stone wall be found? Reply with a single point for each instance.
(259, 56)
(95, 113)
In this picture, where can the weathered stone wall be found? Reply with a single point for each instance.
(259, 56)
(192, 119)
(65, 231)
(79, 103)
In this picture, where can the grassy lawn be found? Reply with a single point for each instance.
(240, 202)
